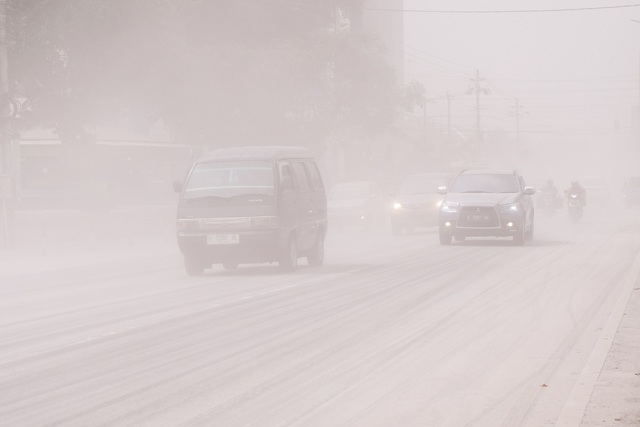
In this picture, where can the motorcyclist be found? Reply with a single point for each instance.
(578, 190)
(550, 190)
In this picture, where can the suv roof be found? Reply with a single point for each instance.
(491, 171)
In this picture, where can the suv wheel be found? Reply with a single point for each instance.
(445, 237)
(530, 233)
(519, 237)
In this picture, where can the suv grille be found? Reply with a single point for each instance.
(478, 216)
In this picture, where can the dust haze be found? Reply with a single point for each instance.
(127, 298)
(376, 89)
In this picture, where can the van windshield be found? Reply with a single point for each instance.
(230, 179)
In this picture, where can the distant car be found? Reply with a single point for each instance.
(631, 192)
(355, 204)
(597, 190)
(494, 203)
(417, 201)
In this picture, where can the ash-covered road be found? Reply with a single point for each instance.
(392, 331)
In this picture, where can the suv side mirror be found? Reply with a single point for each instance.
(441, 190)
(177, 186)
(529, 191)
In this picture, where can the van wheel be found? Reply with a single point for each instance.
(289, 256)
(193, 266)
(315, 258)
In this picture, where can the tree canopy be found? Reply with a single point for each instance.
(271, 71)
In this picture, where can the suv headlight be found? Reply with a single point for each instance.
(397, 206)
(511, 207)
(449, 207)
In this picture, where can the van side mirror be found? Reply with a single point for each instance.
(441, 190)
(177, 186)
(530, 191)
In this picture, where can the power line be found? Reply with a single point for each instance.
(578, 9)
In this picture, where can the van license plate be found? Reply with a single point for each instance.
(223, 239)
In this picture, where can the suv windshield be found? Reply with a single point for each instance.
(485, 183)
(233, 179)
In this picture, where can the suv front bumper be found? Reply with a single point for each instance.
(484, 222)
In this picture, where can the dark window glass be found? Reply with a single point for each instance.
(300, 176)
(316, 178)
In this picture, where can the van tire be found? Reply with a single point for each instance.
(289, 256)
(193, 266)
(315, 258)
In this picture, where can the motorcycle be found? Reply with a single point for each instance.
(575, 205)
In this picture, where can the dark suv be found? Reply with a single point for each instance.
(487, 203)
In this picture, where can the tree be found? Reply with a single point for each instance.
(220, 72)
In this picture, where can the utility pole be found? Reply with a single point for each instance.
(448, 114)
(517, 112)
(638, 22)
(424, 113)
(476, 87)
(517, 126)
(6, 153)
(478, 135)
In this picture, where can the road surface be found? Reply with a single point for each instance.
(391, 331)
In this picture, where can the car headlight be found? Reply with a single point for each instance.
(511, 207)
(397, 206)
(449, 207)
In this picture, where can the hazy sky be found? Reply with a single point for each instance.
(574, 72)
(581, 65)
